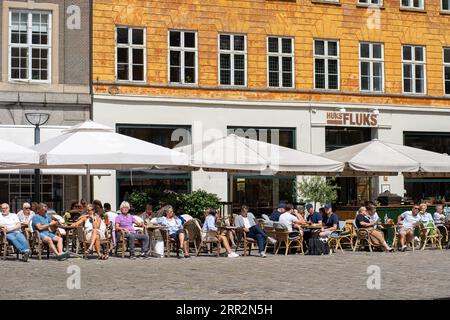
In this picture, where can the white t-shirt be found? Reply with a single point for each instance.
(409, 220)
(246, 223)
(438, 217)
(111, 216)
(425, 218)
(11, 220)
(287, 219)
(374, 217)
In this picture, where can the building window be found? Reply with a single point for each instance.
(280, 60)
(445, 5)
(130, 54)
(412, 4)
(414, 77)
(233, 59)
(447, 70)
(371, 2)
(182, 57)
(29, 46)
(371, 66)
(326, 64)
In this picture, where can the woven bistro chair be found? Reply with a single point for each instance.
(6, 247)
(431, 234)
(104, 244)
(247, 243)
(39, 245)
(286, 240)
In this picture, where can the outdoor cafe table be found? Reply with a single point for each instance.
(389, 232)
(71, 236)
(151, 228)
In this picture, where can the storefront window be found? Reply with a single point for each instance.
(158, 184)
(263, 193)
(433, 189)
(352, 191)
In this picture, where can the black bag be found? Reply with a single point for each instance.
(317, 247)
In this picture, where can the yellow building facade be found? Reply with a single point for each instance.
(305, 114)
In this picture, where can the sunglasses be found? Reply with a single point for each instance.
(415, 208)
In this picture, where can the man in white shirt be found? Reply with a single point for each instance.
(408, 220)
(439, 216)
(10, 225)
(289, 219)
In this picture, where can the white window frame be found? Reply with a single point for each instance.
(232, 53)
(446, 65)
(182, 50)
(31, 46)
(370, 3)
(413, 62)
(130, 46)
(411, 5)
(371, 60)
(326, 57)
(442, 6)
(280, 55)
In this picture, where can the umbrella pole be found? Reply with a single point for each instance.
(88, 183)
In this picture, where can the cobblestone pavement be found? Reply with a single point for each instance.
(410, 275)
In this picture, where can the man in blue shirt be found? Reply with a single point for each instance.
(42, 223)
(275, 216)
(313, 216)
(331, 224)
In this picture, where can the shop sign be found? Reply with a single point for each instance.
(352, 119)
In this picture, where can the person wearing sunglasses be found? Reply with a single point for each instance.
(407, 222)
(26, 214)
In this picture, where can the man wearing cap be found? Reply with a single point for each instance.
(275, 216)
(331, 224)
(313, 216)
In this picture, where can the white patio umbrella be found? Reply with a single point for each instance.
(14, 154)
(90, 145)
(383, 158)
(237, 154)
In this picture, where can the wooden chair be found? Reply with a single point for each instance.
(345, 232)
(103, 243)
(247, 243)
(396, 242)
(194, 233)
(286, 240)
(6, 247)
(431, 234)
(122, 242)
(39, 245)
(270, 231)
(362, 236)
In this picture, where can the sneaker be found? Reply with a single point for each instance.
(262, 255)
(144, 256)
(132, 257)
(404, 248)
(180, 252)
(272, 240)
(233, 255)
(25, 256)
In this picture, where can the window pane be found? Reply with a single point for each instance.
(274, 81)
(447, 54)
(287, 64)
(362, 1)
(273, 45)
(405, 3)
(138, 36)
(239, 78)
(332, 48)
(138, 73)
(417, 3)
(419, 72)
(122, 55)
(225, 61)
(189, 59)
(225, 43)
(419, 86)
(365, 50)
(377, 70)
(175, 39)
(445, 4)
(122, 71)
(175, 58)
(365, 83)
(122, 35)
(225, 77)
(189, 75)
(239, 62)
(319, 73)
(365, 68)
(175, 74)
(332, 66)
(286, 45)
(239, 43)
(377, 54)
(332, 81)
(287, 79)
(377, 84)
(138, 56)
(319, 47)
(407, 85)
(273, 64)
(418, 53)
(189, 40)
(407, 53)
(407, 71)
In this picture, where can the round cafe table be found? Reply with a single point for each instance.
(151, 228)
(72, 236)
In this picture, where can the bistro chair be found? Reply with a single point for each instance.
(271, 232)
(285, 239)
(432, 234)
(6, 247)
(362, 237)
(39, 245)
(194, 233)
(122, 242)
(345, 232)
(104, 244)
(247, 243)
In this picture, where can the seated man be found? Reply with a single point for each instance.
(174, 228)
(11, 226)
(407, 221)
(439, 216)
(275, 216)
(363, 221)
(331, 223)
(210, 226)
(314, 217)
(246, 221)
(124, 222)
(373, 215)
(292, 220)
(42, 223)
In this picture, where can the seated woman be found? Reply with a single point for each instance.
(74, 213)
(210, 226)
(174, 228)
(94, 229)
(376, 236)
